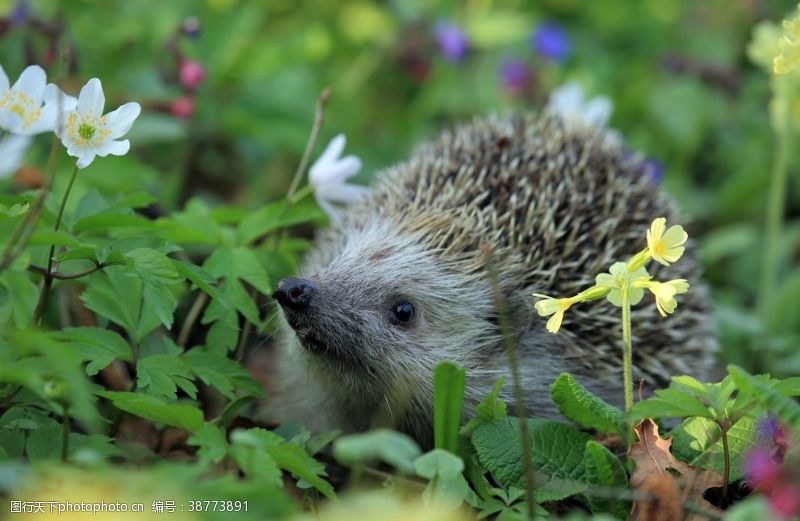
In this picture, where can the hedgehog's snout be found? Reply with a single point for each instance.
(294, 293)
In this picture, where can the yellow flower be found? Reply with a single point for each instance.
(620, 278)
(789, 44)
(555, 307)
(665, 247)
(764, 45)
(665, 292)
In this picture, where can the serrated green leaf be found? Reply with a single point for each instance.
(670, 402)
(18, 297)
(154, 267)
(275, 216)
(296, 460)
(606, 470)
(784, 408)
(162, 375)
(581, 406)
(202, 279)
(98, 346)
(215, 369)
(557, 449)
(156, 410)
(448, 398)
(698, 442)
(211, 442)
(392, 447)
(491, 408)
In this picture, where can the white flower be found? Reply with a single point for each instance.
(21, 110)
(328, 175)
(568, 102)
(87, 133)
(12, 150)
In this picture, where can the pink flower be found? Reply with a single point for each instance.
(785, 500)
(191, 74)
(182, 107)
(761, 469)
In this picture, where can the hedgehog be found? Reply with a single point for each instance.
(402, 281)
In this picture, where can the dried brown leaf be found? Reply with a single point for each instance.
(652, 456)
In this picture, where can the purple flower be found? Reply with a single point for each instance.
(452, 42)
(654, 170)
(191, 27)
(21, 13)
(515, 76)
(551, 41)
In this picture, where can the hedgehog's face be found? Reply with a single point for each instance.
(381, 306)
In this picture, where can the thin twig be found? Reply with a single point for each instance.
(312, 140)
(66, 276)
(48, 276)
(519, 396)
(191, 318)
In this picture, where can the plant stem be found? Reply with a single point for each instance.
(627, 350)
(64, 434)
(774, 217)
(312, 140)
(727, 470)
(191, 318)
(519, 394)
(48, 278)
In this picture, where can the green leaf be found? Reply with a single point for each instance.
(386, 445)
(211, 442)
(786, 409)
(57, 238)
(222, 373)
(151, 408)
(18, 297)
(558, 450)
(275, 216)
(200, 278)
(446, 485)
(154, 267)
(606, 470)
(491, 408)
(254, 461)
(161, 375)
(698, 442)
(670, 402)
(98, 346)
(287, 456)
(296, 460)
(448, 398)
(111, 221)
(581, 406)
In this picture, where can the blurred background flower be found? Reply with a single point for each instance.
(550, 40)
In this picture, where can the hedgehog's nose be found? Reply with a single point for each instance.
(294, 293)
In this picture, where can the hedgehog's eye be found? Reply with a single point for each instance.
(403, 311)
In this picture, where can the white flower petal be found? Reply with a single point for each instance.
(337, 172)
(597, 112)
(85, 159)
(333, 150)
(12, 151)
(32, 82)
(91, 99)
(58, 98)
(115, 148)
(344, 193)
(46, 122)
(333, 213)
(567, 100)
(4, 84)
(119, 122)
